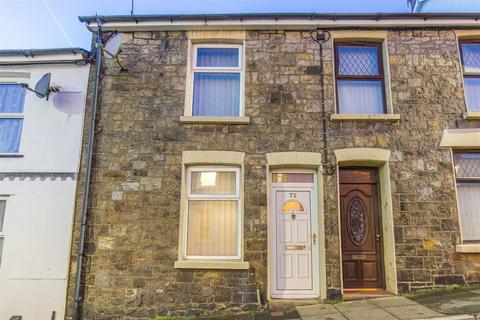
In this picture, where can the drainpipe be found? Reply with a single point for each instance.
(78, 298)
(321, 37)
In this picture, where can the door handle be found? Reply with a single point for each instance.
(378, 237)
(314, 236)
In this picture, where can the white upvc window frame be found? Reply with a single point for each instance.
(18, 115)
(240, 69)
(2, 227)
(235, 197)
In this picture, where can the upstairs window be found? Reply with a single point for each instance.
(467, 173)
(12, 98)
(470, 53)
(217, 75)
(359, 78)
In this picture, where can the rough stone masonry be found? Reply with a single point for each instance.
(133, 224)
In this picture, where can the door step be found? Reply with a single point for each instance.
(289, 304)
(364, 293)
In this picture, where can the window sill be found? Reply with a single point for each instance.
(11, 155)
(390, 117)
(468, 248)
(471, 115)
(215, 120)
(213, 264)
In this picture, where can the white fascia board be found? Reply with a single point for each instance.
(269, 24)
(35, 59)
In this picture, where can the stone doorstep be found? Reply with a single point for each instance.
(285, 304)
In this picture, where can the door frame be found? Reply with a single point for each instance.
(378, 220)
(314, 225)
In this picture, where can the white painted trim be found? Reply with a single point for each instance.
(468, 248)
(272, 24)
(314, 224)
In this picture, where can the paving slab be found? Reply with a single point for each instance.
(317, 309)
(392, 302)
(355, 305)
(459, 317)
(370, 314)
(331, 316)
(452, 303)
(410, 312)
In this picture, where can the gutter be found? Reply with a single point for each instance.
(299, 21)
(22, 57)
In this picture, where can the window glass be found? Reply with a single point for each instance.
(216, 94)
(213, 182)
(212, 228)
(358, 61)
(467, 171)
(292, 177)
(12, 98)
(359, 79)
(212, 213)
(217, 57)
(470, 57)
(472, 93)
(10, 132)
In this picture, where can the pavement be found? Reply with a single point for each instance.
(388, 308)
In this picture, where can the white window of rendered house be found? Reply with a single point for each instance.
(12, 99)
(216, 80)
(212, 213)
(467, 174)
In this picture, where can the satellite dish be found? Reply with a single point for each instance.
(112, 46)
(42, 88)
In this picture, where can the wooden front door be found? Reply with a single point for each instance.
(362, 260)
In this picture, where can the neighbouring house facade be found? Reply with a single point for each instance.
(426, 6)
(214, 188)
(40, 144)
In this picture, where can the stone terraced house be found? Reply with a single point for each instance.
(247, 159)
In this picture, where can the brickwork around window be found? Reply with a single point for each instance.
(133, 223)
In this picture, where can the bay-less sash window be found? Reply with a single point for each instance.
(12, 98)
(470, 53)
(359, 78)
(217, 77)
(212, 213)
(467, 172)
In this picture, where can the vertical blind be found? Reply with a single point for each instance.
(216, 90)
(212, 227)
(359, 81)
(12, 98)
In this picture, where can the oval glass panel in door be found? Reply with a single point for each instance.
(357, 221)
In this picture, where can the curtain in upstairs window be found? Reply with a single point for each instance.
(10, 131)
(216, 94)
(217, 57)
(12, 98)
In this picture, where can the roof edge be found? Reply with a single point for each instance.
(42, 52)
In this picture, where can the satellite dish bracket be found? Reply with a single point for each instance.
(42, 88)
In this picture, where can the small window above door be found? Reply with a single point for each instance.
(287, 177)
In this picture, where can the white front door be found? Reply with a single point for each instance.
(294, 241)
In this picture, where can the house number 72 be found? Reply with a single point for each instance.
(293, 195)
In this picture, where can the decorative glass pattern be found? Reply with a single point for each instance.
(357, 221)
(217, 57)
(358, 61)
(467, 165)
(471, 57)
(292, 204)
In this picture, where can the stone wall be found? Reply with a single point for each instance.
(134, 217)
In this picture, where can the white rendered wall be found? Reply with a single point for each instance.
(40, 192)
